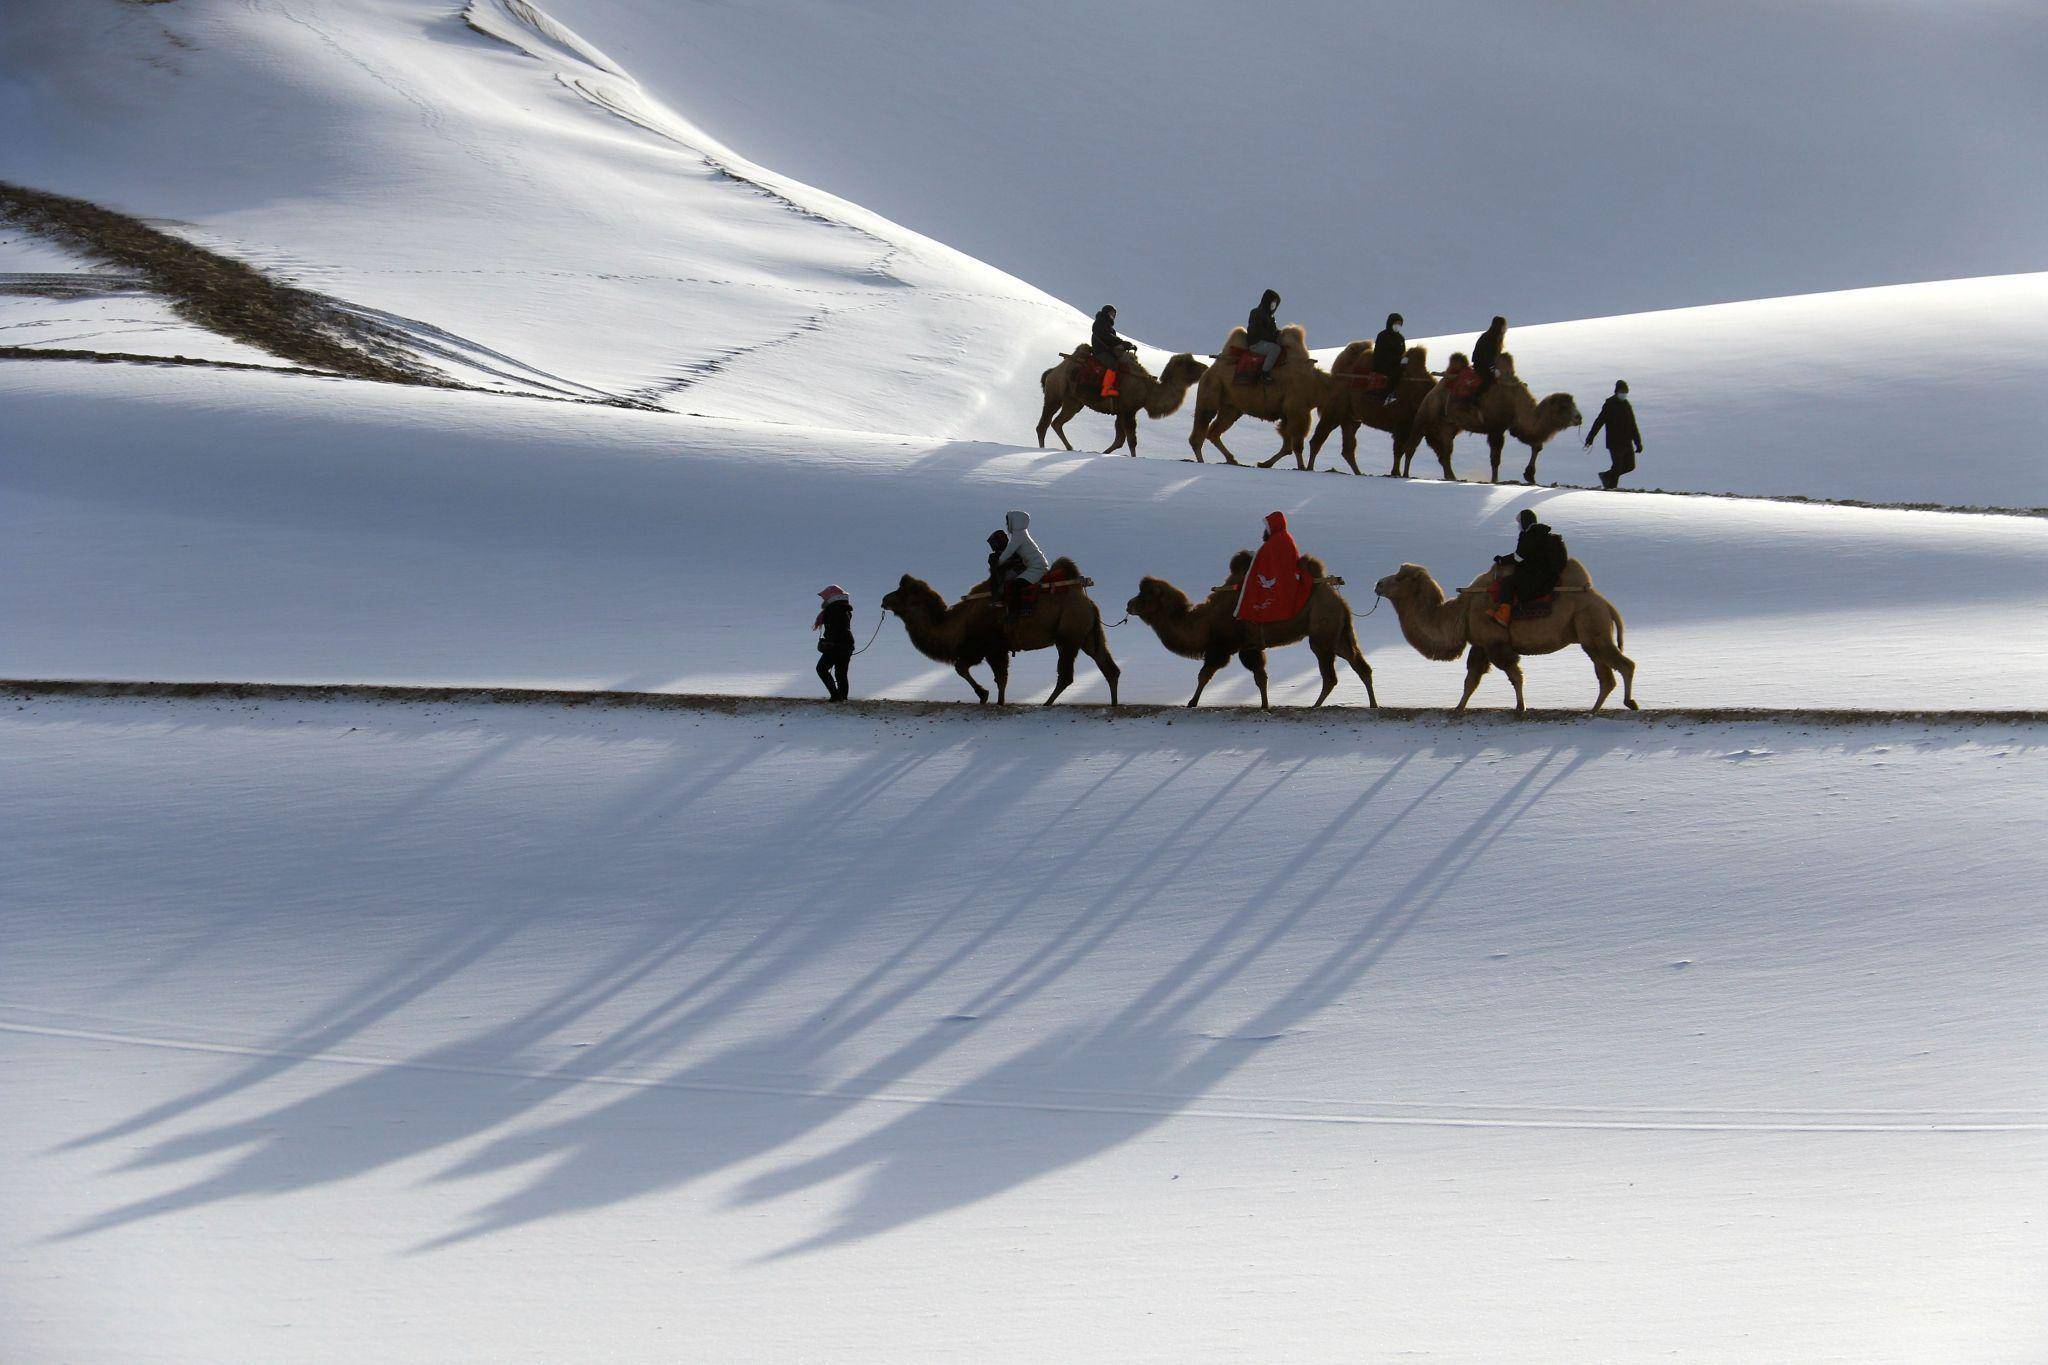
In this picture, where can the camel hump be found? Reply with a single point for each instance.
(1238, 339)
(1574, 576)
(1063, 567)
(1312, 567)
(1352, 357)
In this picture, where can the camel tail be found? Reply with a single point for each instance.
(1620, 632)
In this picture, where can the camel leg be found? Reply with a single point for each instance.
(1604, 676)
(1476, 665)
(1223, 423)
(1513, 668)
(1097, 648)
(1200, 433)
(1255, 660)
(1325, 424)
(1294, 439)
(1606, 655)
(1045, 418)
(1349, 450)
(1068, 412)
(1116, 423)
(980, 692)
(1356, 658)
(1529, 474)
(1130, 437)
(1210, 663)
(1494, 442)
(1442, 450)
(999, 664)
(1326, 664)
(1065, 677)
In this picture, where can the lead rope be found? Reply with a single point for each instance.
(1114, 624)
(871, 639)
(1369, 610)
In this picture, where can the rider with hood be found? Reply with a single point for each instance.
(1111, 350)
(1022, 562)
(1262, 331)
(1276, 589)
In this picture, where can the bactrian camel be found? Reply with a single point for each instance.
(1067, 391)
(1288, 396)
(1210, 631)
(1442, 629)
(970, 631)
(1350, 406)
(1506, 409)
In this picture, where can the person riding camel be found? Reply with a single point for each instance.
(1532, 570)
(1023, 563)
(1486, 355)
(1112, 352)
(1389, 354)
(1275, 589)
(1262, 332)
(1624, 437)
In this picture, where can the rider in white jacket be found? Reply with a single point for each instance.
(1024, 561)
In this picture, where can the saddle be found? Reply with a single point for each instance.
(1463, 384)
(1535, 609)
(1372, 381)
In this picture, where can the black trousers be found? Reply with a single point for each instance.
(1623, 459)
(832, 672)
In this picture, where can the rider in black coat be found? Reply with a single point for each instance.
(1486, 351)
(1389, 354)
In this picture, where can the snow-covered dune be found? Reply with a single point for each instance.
(503, 190)
(524, 208)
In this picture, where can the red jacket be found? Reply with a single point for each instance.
(1275, 589)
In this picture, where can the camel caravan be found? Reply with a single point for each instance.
(1539, 600)
(1265, 371)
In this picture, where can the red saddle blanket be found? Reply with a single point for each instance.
(1372, 381)
(1535, 609)
(1245, 360)
(1463, 384)
(1091, 369)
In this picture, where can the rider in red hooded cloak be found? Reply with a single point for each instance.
(1275, 589)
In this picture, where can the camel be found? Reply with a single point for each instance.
(1137, 391)
(1442, 629)
(970, 631)
(1289, 397)
(1508, 408)
(1349, 405)
(1212, 633)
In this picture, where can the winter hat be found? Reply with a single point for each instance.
(1621, 386)
(1526, 516)
(1395, 320)
(831, 594)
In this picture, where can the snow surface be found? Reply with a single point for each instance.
(373, 1032)
(520, 1034)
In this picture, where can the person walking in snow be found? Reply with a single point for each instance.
(1624, 437)
(1111, 350)
(1022, 563)
(1262, 332)
(835, 645)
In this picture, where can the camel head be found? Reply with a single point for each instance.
(912, 594)
(1240, 565)
(1157, 599)
(1558, 411)
(1182, 373)
(1404, 584)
